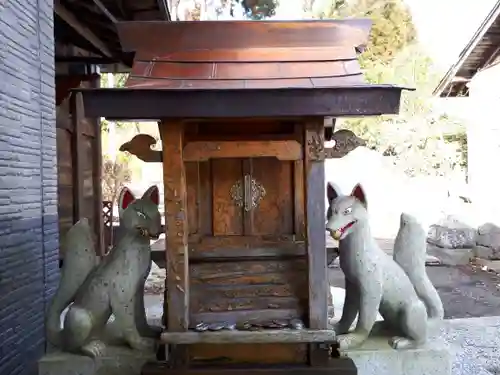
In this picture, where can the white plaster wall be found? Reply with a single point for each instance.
(483, 137)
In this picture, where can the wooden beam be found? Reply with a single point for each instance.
(163, 5)
(105, 10)
(68, 17)
(203, 151)
(176, 306)
(314, 157)
(155, 104)
(287, 336)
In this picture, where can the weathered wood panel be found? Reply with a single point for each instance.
(227, 216)
(79, 167)
(206, 248)
(248, 353)
(192, 187)
(274, 214)
(205, 150)
(65, 176)
(249, 285)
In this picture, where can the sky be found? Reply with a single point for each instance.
(436, 22)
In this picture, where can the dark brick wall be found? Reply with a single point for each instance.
(28, 181)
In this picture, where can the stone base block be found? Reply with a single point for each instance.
(117, 361)
(376, 357)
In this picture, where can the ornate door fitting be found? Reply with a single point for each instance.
(247, 193)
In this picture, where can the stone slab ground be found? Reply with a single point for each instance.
(117, 361)
(376, 357)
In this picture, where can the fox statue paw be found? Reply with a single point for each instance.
(350, 340)
(398, 342)
(94, 349)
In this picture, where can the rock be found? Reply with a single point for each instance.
(488, 265)
(450, 257)
(483, 252)
(489, 236)
(431, 260)
(155, 283)
(452, 238)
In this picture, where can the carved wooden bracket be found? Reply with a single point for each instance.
(140, 146)
(345, 142)
(315, 145)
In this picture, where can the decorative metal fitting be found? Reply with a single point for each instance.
(247, 193)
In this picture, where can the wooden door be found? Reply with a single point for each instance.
(252, 197)
(247, 257)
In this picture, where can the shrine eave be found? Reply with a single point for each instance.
(155, 104)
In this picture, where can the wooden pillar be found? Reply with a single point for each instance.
(316, 249)
(77, 117)
(176, 306)
(97, 177)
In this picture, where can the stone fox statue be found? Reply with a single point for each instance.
(114, 286)
(397, 288)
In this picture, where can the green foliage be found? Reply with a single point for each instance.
(119, 80)
(391, 32)
(259, 9)
(115, 174)
(333, 9)
(420, 140)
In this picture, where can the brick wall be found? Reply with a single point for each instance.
(28, 181)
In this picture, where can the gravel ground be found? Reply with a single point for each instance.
(475, 345)
(465, 291)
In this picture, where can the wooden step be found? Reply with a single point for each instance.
(250, 337)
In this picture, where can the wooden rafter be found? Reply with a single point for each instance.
(163, 5)
(68, 17)
(105, 10)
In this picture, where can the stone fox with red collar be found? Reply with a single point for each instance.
(113, 286)
(374, 281)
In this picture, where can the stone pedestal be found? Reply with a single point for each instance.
(117, 361)
(376, 357)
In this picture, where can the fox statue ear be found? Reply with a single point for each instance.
(332, 192)
(153, 194)
(124, 199)
(359, 194)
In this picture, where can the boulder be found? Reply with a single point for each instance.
(452, 238)
(155, 283)
(489, 236)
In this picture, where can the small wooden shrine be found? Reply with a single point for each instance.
(241, 110)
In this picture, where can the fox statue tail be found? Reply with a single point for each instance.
(410, 248)
(79, 260)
